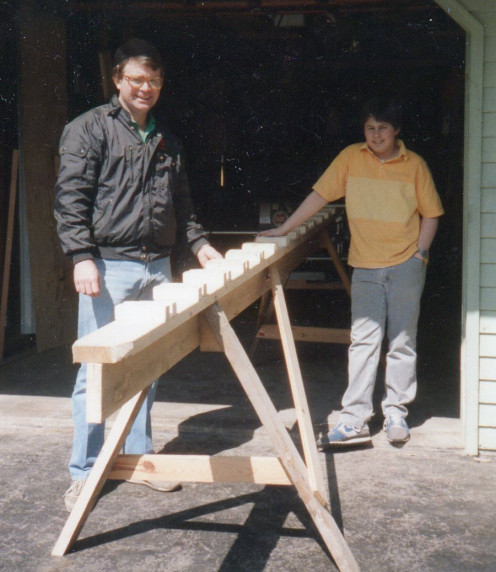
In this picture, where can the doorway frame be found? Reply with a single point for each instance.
(469, 352)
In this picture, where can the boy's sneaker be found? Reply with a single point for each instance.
(344, 435)
(71, 495)
(396, 429)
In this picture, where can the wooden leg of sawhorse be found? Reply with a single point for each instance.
(297, 388)
(264, 314)
(286, 449)
(327, 242)
(99, 473)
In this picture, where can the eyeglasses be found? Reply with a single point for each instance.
(138, 80)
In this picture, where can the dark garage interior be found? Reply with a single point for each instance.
(264, 95)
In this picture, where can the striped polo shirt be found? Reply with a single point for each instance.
(384, 202)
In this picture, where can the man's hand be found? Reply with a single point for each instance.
(207, 253)
(87, 278)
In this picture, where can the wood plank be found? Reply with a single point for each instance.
(200, 469)
(487, 415)
(250, 258)
(43, 105)
(487, 393)
(489, 149)
(235, 268)
(488, 200)
(178, 292)
(488, 322)
(285, 447)
(488, 224)
(113, 343)
(489, 99)
(488, 175)
(488, 275)
(487, 369)
(487, 439)
(490, 74)
(152, 312)
(99, 473)
(488, 299)
(208, 341)
(307, 334)
(489, 124)
(212, 281)
(9, 237)
(487, 345)
(488, 251)
(280, 241)
(263, 250)
(327, 242)
(300, 284)
(297, 388)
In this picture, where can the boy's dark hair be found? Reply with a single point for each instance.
(142, 50)
(382, 109)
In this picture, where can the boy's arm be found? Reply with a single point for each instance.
(428, 229)
(310, 206)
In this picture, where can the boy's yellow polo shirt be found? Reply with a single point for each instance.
(383, 202)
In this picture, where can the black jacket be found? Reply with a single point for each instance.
(117, 197)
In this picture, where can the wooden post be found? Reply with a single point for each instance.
(327, 242)
(297, 388)
(8, 248)
(98, 475)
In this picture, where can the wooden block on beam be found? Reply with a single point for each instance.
(265, 251)
(209, 281)
(320, 217)
(250, 258)
(294, 234)
(148, 311)
(280, 241)
(235, 268)
(309, 224)
(183, 294)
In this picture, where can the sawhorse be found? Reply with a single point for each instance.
(121, 370)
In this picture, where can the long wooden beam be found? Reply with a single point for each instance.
(148, 338)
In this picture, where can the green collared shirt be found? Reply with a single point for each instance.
(150, 126)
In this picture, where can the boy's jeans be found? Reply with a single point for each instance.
(380, 298)
(121, 280)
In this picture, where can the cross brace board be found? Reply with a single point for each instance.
(122, 366)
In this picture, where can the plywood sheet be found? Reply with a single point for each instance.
(43, 105)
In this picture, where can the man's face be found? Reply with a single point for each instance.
(138, 100)
(381, 138)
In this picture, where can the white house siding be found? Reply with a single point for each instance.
(487, 353)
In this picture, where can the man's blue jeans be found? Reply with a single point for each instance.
(383, 298)
(121, 280)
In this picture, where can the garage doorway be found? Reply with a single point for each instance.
(263, 101)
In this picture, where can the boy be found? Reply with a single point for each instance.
(392, 208)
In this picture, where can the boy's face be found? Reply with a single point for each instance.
(137, 100)
(381, 138)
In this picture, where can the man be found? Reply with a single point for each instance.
(393, 209)
(122, 199)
